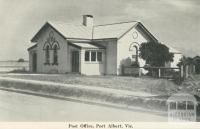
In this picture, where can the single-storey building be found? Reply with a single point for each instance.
(87, 48)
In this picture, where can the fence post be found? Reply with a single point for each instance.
(140, 72)
(186, 71)
(159, 74)
(194, 69)
(182, 74)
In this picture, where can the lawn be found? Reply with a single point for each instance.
(192, 84)
(144, 84)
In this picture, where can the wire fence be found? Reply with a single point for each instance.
(178, 74)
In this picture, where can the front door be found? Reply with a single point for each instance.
(75, 61)
(34, 63)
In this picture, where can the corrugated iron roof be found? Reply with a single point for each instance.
(112, 30)
(86, 45)
(97, 32)
(115, 30)
(72, 31)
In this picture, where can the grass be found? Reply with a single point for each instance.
(161, 87)
(144, 84)
(192, 84)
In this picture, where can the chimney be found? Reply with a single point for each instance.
(88, 20)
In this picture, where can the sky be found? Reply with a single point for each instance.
(173, 22)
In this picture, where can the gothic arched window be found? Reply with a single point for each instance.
(55, 54)
(51, 45)
(47, 54)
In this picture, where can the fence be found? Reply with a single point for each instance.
(163, 72)
(176, 73)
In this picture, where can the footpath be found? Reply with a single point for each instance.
(89, 94)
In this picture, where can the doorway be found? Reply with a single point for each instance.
(75, 61)
(34, 63)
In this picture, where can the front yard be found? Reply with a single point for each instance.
(161, 89)
(192, 84)
(144, 84)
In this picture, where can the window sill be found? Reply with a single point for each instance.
(90, 62)
(50, 64)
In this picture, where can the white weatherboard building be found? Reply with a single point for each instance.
(89, 49)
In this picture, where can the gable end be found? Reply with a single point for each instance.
(147, 32)
(35, 37)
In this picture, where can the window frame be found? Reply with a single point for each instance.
(88, 60)
(47, 55)
(55, 55)
(96, 56)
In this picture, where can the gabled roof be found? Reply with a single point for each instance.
(115, 30)
(73, 31)
(67, 30)
(30, 48)
(173, 50)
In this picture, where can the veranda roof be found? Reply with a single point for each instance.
(86, 45)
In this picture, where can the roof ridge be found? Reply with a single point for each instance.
(72, 24)
(66, 23)
(115, 23)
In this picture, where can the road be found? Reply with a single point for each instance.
(22, 107)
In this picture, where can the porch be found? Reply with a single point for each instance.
(87, 58)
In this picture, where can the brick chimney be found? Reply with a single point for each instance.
(88, 20)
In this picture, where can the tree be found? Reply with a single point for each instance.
(155, 54)
(21, 60)
(185, 61)
(196, 60)
(188, 61)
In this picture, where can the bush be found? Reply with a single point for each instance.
(21, 60)
(23, 70)
(135, 64)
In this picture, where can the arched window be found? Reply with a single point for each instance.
(51, 45)
(55, 54)
(47, 54)
(134, 47)
(136, 53)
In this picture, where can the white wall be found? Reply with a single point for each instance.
(92, 68)
(123, 48)
(111, 56)
(177, 58)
